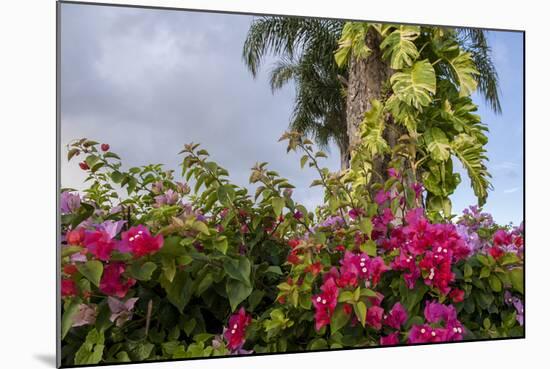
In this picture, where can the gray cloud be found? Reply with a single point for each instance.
(148, 81)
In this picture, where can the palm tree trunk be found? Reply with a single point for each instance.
(365, 82)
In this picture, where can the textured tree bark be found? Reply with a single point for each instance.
(365, 82)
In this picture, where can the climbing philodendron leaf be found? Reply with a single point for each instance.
(352, 43)
(437, 144)
(464, 73)
(472, 155)
(399, 47)
(372, 128)
(415, 85)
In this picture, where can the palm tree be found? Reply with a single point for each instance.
(305, 48)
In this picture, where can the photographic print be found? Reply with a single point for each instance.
(237, 184)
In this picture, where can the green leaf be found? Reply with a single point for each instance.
(226, 195)
(278, 204)
(142, 272)
(201, 227)
(68, 316)
(467, 270)
(221, 244)
(92, 270)
(516, 277)
(437, 144)
(238, 269)
(464, 73)
(179, 291)
(91, 351)
(237, 292)
(495, 283)
(275, 269)
(70, 250)
(415, 85)
(399, 47)
(366, 226)
(360, 312)
(473, 156)
(303, 161)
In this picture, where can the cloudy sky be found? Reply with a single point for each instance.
(148, 81)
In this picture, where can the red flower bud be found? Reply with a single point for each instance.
(69, 269)
(105, 147)
(83, 165)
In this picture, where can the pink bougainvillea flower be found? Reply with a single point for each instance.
(376, 268)
(435, 312)
(68, 288)
(502, 238)
(496, 252)
(455, 331)
(121, 311)
(70, 202)
(235, 333)
(374, 317)
(396, 317)
(86, 315)
(138, 241)
(113, 283)
(392, 172)
(100, 244)
(325, 303)
(425, 333)
(391, 339)
(382, 196)
(75, 237)
(356, 213)
(456, 295)
(417, 188)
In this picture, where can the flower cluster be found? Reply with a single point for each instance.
(426, 251)
(235, 333)
(441, 325)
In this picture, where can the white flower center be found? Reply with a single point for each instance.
(422, 331)
(131, 239)
(439, 249)
(433, 333)
(232, 331)
(235, 326)
(324, 301)
(364, 270)
(319, 299)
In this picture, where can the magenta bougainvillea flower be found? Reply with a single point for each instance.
(391, 339)
(69, 202)
(441, 325)
(235, 333)
(374, 317)
(68, 288)
(121, 311)
(100, 244)
(382, 196)
(396, 317)
(138, 241)
(113, 283)
(325, 303)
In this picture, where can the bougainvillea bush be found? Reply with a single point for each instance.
(158, 264)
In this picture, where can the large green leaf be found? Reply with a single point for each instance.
(238, 269)
(92, 270)
(399, 47)
(415, 85)
(472, 156)
(237, 292)
(437, 144)
(464, 73)
(352, 42)
(70, 310)
(91, 350)
(372, 129)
